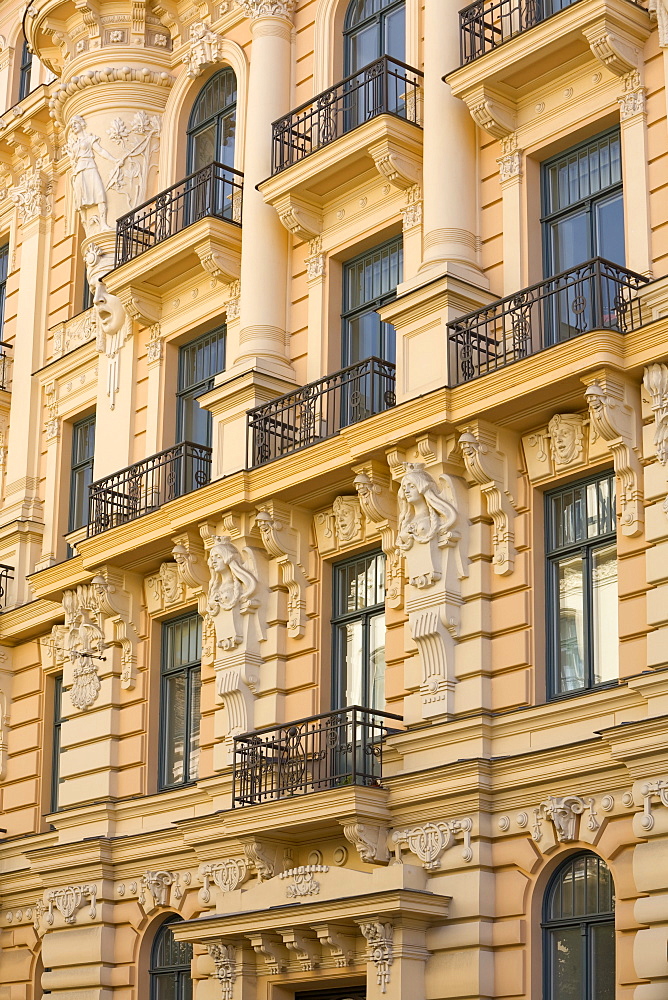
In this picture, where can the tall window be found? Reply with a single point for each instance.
(579, 931)
(582, 585)
(369, 281)
(55, 750)
(212, 124)
(170, 965)
(374, 28)
(359, 632)
(583, 209)
(83, 451)
(25, 70)
(199, 361)
(180, 701)
(4, 271)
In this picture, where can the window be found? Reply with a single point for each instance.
(374, 28)
(57, 725)
(199, 361)
(4, 270)
(582, 585)
(25, 70)
(359, 632)
(579, 931)
(212, 125)
(180, 701)
(583, 210)
(170, 965)
(83, 450)
(369, 281)
(87, 296)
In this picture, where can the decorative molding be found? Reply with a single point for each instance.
(379, 935)
(655, 380)
(303, 880)
(397, 164)
(491, 112)
(658, 10)
(339, 526)
(510, 164)
(615, 420)
(651, 791)
(633, 101)
(300, 217)
(84, 642)
(6, 682)
(563, 813)
(233, 304)
(283, 542)
(158, 887)
(340, 944)
(232, 590)
(611, 48)
(429, 841)
(255, 9)
(62, 91)
(380, 508)
(564, 445)
(68, 900)
(370, 840)
(412, 213)
(119, 598)
(227, 875)
(32, 195)
(487, 463)
(427, 518)
(205, 48)
(264, 857)
(316, 262)
(74, 332)
(52, 425)
(224, 959)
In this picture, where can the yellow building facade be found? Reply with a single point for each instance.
(334, 500)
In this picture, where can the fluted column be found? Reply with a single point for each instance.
(264, 257)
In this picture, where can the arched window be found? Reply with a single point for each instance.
(25, 71)
(374, 28)
(170, 965)
(213, 122)
(579, 931)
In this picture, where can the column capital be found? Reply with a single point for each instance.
(257, 9)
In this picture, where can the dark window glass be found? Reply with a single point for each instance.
(170, 965)
(359, 631)
(57, 725)
(369, 281)
(579, 931)
(4, 271)
(374, 28)
(199, 362)
(25, 70)
(87, 297)
(83, 450)
(582, 584)
(212, 125)
(180, 701)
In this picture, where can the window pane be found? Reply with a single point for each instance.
(569, 240)
(604, 614)
(602, 961)
(395, 34)
(174, 727)
(203, 148)
(571, 651)
(609, 229)
(565, 957)
(376, 694)
(363, 47)
(351, 637)
(164, 987)
(195, 679)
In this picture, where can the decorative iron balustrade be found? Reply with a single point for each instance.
(147, 485)
(597, 295)
(5, 366)
(486, 24)
(320, 409)
(6, 574)
(324, 751)
(385, 86)
(215, 190)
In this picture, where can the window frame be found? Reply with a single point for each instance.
(349, 313)
(217, 117)
(78, 467)
(25, 71)
(195, 389)
(552, 559)
(377, 17)
(4, 275)
(154, 972)
(56, 742)
(194, 667)
(340, 618)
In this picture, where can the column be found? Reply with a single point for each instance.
(264, 240)
(633, 121)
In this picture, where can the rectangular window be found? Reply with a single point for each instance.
(180, 701)
(582, 585)
(4, 271)
(199, 362)
(369, 281)
(25, 71)
(83, 450)
(57, 725)
(359, 632)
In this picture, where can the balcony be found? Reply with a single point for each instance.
(312, 755)
(320, 410)
(145, 486)
(214, 191)
(597, 295)
(486, 24)
(6, 575)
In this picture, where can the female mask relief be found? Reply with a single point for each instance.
(426, 521)
(232, 591)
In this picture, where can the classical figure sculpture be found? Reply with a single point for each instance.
(87, 184)
(348, 518)
(426, 517)
(566, 431)
(111, 321)
(231, 591)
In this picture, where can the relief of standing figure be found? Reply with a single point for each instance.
(87, 184)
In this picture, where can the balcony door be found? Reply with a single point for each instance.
(359, 632)
(583, 217)
(374, 28)
(212, 125)
(199, 362)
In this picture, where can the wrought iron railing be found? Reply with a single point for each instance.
(5, 365)
(6, 574)
(597, 295)
(486, 24)
(320, 409)
(147, 485)
(385, 86)
(214, 190)
(324, 751)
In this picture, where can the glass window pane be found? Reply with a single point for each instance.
(376, 685)
(604, 614)
(395, 34)
(602, 961)
(351, 638)
(569, 241)
(565, 958)
(570, 604)
(195, 679)
(174, 743)
(164, 987)
(203, 148)
(609, 229)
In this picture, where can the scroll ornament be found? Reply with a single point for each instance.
(487, 467)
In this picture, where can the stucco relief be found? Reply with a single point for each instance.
(84, 643)
(232, 590)
(565, 444)
(426, 524)
(380, 509)
(490, 462)
(114, 327)
(339, 525)
(430, 841)
(205, 49)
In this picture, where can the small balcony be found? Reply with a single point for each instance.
(320, 410)
(145, 486)
(312, 755)
(597, 295)
(486, 24)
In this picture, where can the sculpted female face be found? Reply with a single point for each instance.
(216, 560)
(410, 490)
(109, 309)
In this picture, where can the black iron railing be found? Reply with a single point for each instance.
(597, 295)
(320, 409)
(5, 365)
(325, 751)
(385, 86)
(486, 24)
(146, 485)
(6, 574)
(214, 190)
